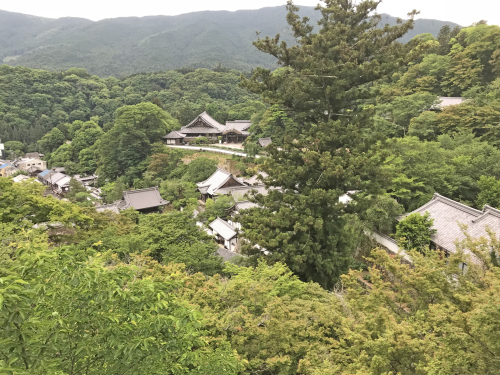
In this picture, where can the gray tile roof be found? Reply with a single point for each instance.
(206, 119)
(256, 179)
(225, 253)
(174, 135)
(113, 207)
(447, 215)
(200, 130)
(237, 126)
(264, 142)
(142, 199)
(239, 192)
(217, 179)
(243, 205)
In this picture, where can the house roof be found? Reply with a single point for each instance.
(48, 175)
(109, 207)
(225, 253)
(237, 126)
(5, 165)
(256, 178)
(223, 228)
(207, 120)
(142, 199)
(33, 168)
(243, 205)
(239, 192)
(217, 179)
(53, 178)
(447, 215)
(20, 178)
(447, 101)
(63, 181)
(264, 142)
(200, 130)
(33, 155)
(174, 135)
(44, 173)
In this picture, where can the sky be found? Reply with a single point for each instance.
(459, 11)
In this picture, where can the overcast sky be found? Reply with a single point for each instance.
(460, 11)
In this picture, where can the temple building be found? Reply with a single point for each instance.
(205, 126)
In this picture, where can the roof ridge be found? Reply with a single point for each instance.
(460, 206)
(488, 210)
(225, 223)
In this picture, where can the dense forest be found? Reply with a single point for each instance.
(123, 46)
(351, 108)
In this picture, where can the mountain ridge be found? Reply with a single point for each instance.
(128, 45)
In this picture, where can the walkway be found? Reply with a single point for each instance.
(210, 149)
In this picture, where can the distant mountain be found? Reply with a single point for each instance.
(121, 46)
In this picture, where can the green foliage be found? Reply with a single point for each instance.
(415, 231)
(489, 192)
(216, 208)
(174, 237)
(180, 193)
(113, 191)
(200, 169)
(123, 151)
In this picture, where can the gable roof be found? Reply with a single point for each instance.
(447, 215)
(264, 142)
(238, 126)
(207, 120)
(239, 192)
(217, 179)
(223, 228)
(53, 178)
(142, 199)
(113, 207)
(256, 178)
(174, 135)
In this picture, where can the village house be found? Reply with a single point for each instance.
(32, 166)
(205, 126)
(448, 215)
(143, 200)
(7, 169)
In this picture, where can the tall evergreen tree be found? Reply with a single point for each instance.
(323, 84)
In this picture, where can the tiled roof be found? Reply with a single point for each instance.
(256, 179)
(239, 192)
(142, 199)
(264, 142)
(223, 228)
(200, 130)
(447, 215)
(243, 205)
(207, 119)
(113, 207)
(225, 253)
(174, 135)
(217, 179)
(239, 125)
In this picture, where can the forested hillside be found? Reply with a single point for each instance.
(32, 102)
(352, 112)
(122, 46)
